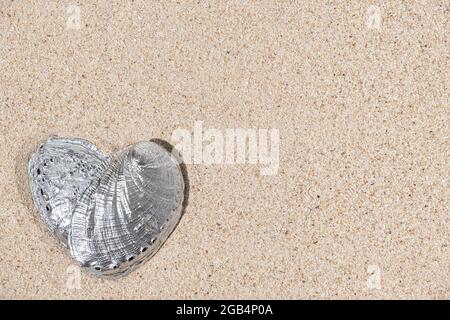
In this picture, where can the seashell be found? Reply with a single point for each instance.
(128, 212)
(60, 171)
(112, 212)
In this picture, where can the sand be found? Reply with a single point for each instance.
(359, 95)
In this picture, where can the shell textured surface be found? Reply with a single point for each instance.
(60, 171)
(122, 209)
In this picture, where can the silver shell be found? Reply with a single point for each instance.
(113, 212)
(60, 171)
(128, 212)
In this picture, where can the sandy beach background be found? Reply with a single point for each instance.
(357, 90)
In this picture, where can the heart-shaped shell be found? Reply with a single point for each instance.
(60, 171)
(128, 211)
